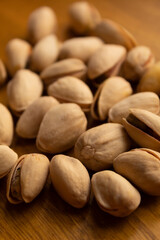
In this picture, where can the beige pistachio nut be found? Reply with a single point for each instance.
(27, 178)
(146, 100)
(70, 179)
(73, 90)
(141, 167)
(30, 120)
(114, 194)
(111, 91)
(65, 123)
(42, 22)
(105, 62)
(68, 67)
(83, 17)
(97, 147)
(18, 52)
(3, 73)
(112, 32)
(82, 48)
(23, 89)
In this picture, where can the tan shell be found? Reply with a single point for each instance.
(68, 67)
(97, 147)
(27, 178)
(17, 55)
(30, 120)
(114, 194)
(23, 89)
(70, 179)
(7, 159)
(71, 89)
(3, 73)
(83, 17)
(6, 126)
(111, 32)
(142, 168)
(42, 22)
(65, 123)
(111, 91)
(147, 100)
(82, 48)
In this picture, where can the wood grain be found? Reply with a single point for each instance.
(48, 216)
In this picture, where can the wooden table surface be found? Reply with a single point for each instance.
(49, 217)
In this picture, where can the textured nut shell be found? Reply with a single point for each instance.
(82, 48)
(97, 147)
(3, 73)
(114, 194)
(60, 128)
(147, 100)
(104, 100)
(30, 120)
(17, 55)
(71, 89)
(6, 126)
(141, 167)
(70, 179)
(41, 23)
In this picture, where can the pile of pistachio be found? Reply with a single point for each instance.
(100, 74)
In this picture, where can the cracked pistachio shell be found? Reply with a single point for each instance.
(114, 194)
(83, 17)
(141, 167)
(17, 55)
(97, 147)
(73, 90)
(144, 128)
(70, 179)
(3, 73)
(146, 100)
(42, 22)
(82, 48)
(44, 53)
(30, 120)
(23, 89)
(111, 32)
(27, 178)
(105, 62)
(60, 128)
(104, 100)
(68, 67)
(7, 159)
(6, 126)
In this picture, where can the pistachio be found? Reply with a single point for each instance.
(146, 100)
(82, 48)
(97, 147)
(142, 168)
(27, 178)
(114, 194)
(65, 123)
(104, 100)
(30, 120)
(83, 17)
(105, 62)
(112, 32)
(41, 23)
(23, 89)
(70, 179)
(71, 89)
(17, 55)
(3, 73)
(6, 126)
(68, 67)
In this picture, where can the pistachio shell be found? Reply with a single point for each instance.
(114, 194)
(71, 89)
(70, 179)
(146, 100)
(3, 73)
(30, 120)
(65, 123)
